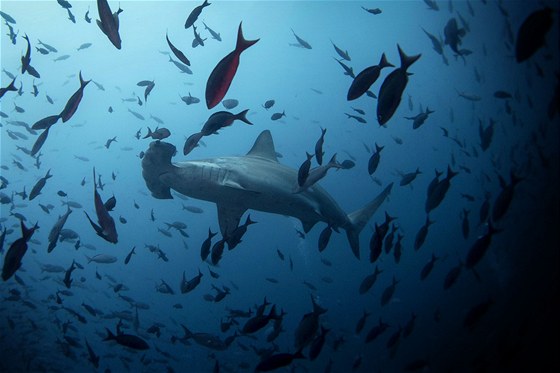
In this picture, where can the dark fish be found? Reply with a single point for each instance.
(341, 53)
(480, 247)
(206, 245)
(427, 269)
(362, 322)
(197, 39)
(40, 141)
(187, 286)
(369, 281)
(268, 104)
(532, 33)
(106, 228)
(235, 237)
(436, 45)
(324, 238)
(189, 100)
(409, 177)
(88, 20)
(158, 134)
(10, 87)
(485, 135)
(193, 16)
(452, 35)
(217, 251)
(474, 315)
(192, 142)
(502, 94)
(347, 69)
(375, 244)
(418, 120)
(308, 326)
(422, 234)
(223, 119)
(393, 87)
(127, 340)
(65, 4)
(276, 361)
(56, 229)
(71, 16)
(92, 357)
(36, 190)
(363, 81)
(277, 116)
(302, 43)
(108, 22)
(452, 276)
(129, 255)
(373, 162)
(303, 171)
(62, 58)
(74, 101)
(373, 11)
(137, 115)
(16, 251)
(409, 326)
(438, 190)
(109, 142)
(68, 275)
(376, 331)
(317, 344)
(177, 52)
(221, 77)
(347, 164)
(388, 292)
(359, 119)
(319, 147)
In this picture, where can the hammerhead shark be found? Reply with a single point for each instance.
(255, 181)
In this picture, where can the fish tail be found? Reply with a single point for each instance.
(243, 117)
(83, 82)
(359, 218)
(384, 63)
(12, 86)
(149, 133)
(242, 43)
(406, 61)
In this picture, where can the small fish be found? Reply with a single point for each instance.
(301, 43)
(374, 11)
(215, 35)
(109, 22)
(84, 46)
(363, 81)
(180, 55)
(277, 116)
(195, 13)
(268, 104)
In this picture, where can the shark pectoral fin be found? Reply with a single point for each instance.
(97, 228)
(228, 218)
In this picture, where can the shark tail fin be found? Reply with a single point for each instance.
(359, 218)
(156, 162)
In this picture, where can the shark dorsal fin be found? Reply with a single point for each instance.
(263, 147)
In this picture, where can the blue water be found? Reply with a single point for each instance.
(519, 273)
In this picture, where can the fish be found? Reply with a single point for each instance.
(180, 66)
(222, 75)
(369, 281)
(359, 119)
(108, 144)
(436, 43)
(189, 100)
(106, 228)
(7, 17)
(474, 315)
(532, 34)
(301, 43)
(303, 171)
(158, 133)
(49, 47)
(427, 269)
(393, 86)
(374, 11)
(268, 104)
(88, 20)
(92, 357)
(480, 247)
(318, 150)
(438, 189)
(65, 4)
(68, 275)
(215, 35)
(277, 116)
(373, 161)
(486, 134)
(254, 181)
(308, 326)
(230, 103)
(364, 80)
(102, 259)
(503, 200)
(197, 39)
(36, 190)
(452, 35)
(343, 54)
(108, 22)
(389, 291)
(376, 331)
(127, 340)
(56, 229)
(195, 13)
(72, 104)
(317, 174)
(418, 120)
(275, 361)
(222, 119)
(16, 252)
(190, 285)
(71, 16)
(180, 55)
(422, 234)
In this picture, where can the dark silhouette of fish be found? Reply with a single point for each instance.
(74, 101)
(177, 52)
(127, 340)
(36, 190)
(221, 77)
(108, 22)
(14, 255)
(366, 78)
(106, 228)
(393, 87)
(193, 16)
(10, 87)
(532, 33)
(302, 43)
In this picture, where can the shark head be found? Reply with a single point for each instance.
(157, 162)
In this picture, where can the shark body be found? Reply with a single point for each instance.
(255, 181)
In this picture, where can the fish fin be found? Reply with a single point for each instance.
(228, 218)
(406, 61)
(307, 225)
(101, 26)
(359, 218)
(264, 147)
(97, 228)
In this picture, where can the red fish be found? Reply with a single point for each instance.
(222, 75)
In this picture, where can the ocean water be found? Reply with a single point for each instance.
(517, 278)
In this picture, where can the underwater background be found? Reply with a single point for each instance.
(501, 314)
